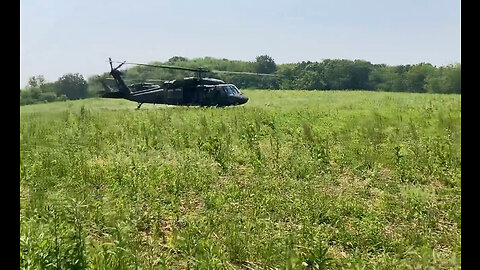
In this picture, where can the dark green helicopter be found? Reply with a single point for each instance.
(192, 91)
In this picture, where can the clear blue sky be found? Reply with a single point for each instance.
(65, 36)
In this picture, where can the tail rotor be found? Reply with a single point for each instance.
(111, 66)
(117, 76)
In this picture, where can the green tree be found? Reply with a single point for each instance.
(95, 84)
(360, 71)
(36, 81)
(309, 75)
(445, 80)
(74, 86)
(337, 74)
(26, 97)
(453, 73)
(382, 77)
(265, 64)
(48, 87)
(417, 75)
(177, 59)
(47, 97)
(400, 80)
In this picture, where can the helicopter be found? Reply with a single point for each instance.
(190, 91)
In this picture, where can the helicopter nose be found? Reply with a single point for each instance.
(242, 100)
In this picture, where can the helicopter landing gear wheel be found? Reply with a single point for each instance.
(139, 104)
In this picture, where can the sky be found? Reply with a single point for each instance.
(65, 36)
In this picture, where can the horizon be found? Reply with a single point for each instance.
(190, 59)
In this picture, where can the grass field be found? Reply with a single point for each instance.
(290, 180)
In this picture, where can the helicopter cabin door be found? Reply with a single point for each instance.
(174, 96)
(190, 94)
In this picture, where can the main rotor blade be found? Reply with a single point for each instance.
(164, 66)
(197, 69)
(243, 72)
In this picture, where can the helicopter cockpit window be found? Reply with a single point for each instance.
(235, 89)
(228, 90)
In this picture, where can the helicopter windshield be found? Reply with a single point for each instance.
(231, 89)
(235, 89)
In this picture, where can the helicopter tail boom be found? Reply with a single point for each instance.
(110, 93)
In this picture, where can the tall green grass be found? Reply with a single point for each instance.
(291, 180)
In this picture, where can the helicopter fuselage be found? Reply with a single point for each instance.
(194, 95)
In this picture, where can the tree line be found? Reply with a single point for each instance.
(68, 87)
(329, 74)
